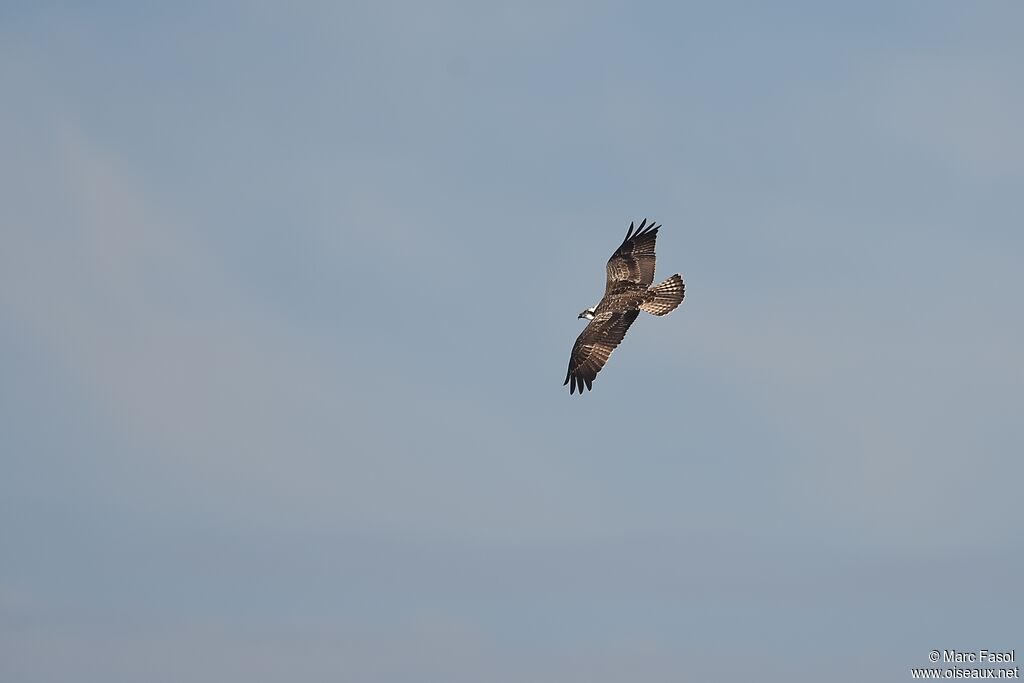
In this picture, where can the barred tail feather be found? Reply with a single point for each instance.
(667, 296)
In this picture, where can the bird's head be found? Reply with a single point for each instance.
(588, 314)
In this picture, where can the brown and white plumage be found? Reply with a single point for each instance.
(630, 272)
(633, 261)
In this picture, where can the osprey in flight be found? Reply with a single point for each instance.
(627, 292)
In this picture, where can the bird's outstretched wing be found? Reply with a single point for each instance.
(633, 261)
(594, 345)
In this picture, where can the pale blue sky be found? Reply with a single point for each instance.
(287, 294)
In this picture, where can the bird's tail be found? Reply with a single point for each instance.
(667, 296)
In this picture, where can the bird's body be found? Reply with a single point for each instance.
(628, 290)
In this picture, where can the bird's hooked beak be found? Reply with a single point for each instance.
(587, 314)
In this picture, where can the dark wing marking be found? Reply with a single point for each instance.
(594, 345)
(633, 261)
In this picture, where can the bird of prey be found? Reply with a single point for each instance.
(627, 292)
